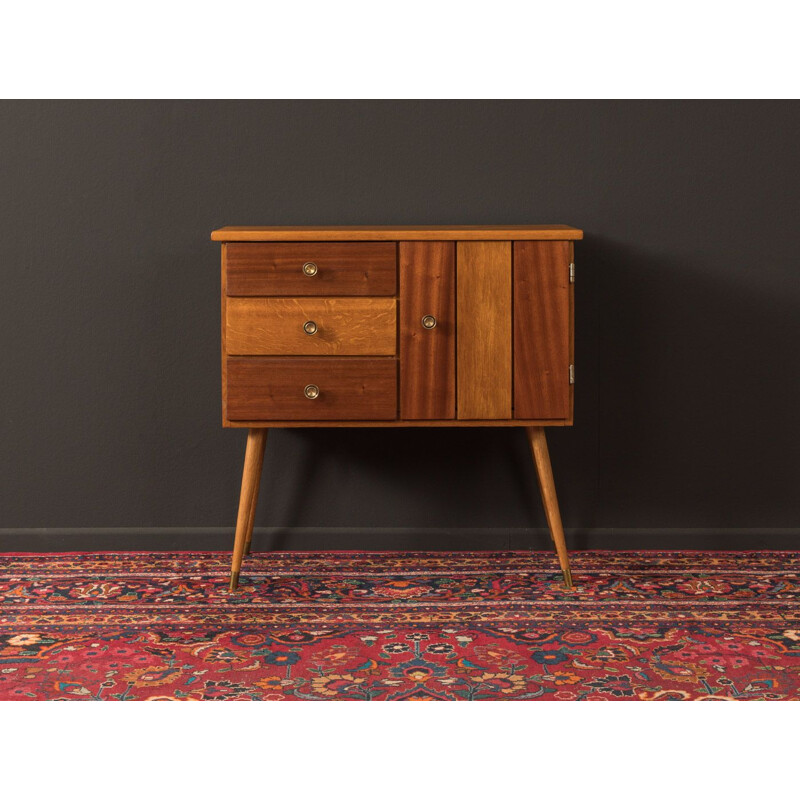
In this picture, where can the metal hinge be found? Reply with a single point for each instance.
(572, 373)
(572, 273)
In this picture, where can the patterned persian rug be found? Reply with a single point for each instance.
(400, 626)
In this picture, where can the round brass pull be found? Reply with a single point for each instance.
(429, 322)
(310, 327)
(311, 391)
(310, 269)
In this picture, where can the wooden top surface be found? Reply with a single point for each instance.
(382, 233)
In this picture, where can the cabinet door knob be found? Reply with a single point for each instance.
(310, 327)
(311, 391)
(429, 322)
(310, 269)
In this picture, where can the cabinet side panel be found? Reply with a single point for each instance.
(224, 273)
(427, 357)
(541, 330)
(483, 279)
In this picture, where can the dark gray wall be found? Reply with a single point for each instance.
(688, 296)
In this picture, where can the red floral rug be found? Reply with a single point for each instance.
(400, 626)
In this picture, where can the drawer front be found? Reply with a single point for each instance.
(313, 268)
(298, 326)
(260, 388)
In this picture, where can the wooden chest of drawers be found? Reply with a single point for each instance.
(407, 326)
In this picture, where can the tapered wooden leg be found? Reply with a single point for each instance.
(251, 478)
(254, 501)
(544, 471)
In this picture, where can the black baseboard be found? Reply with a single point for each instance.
(44, 540)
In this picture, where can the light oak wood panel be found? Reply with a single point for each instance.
(541, 330)
(393, 233)
(345, 326)
(355, 388)
(341, 268)
(483, 280)
(427, 356)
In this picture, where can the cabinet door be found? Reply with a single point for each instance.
(427, 330)
(542, 324)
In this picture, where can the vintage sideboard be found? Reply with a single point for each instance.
(397, 326)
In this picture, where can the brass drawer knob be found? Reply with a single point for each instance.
(310, 269)
(429, 322)
(310, 327)
(311, 391)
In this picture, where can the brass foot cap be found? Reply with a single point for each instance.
(234, 581)
(567, 578)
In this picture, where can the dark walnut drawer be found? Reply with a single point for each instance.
(312, 268)
(311, 326)
(260, 388)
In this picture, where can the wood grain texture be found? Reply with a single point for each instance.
(571, 414)
(343, 268)
(541, 330)
(355, 388)
(393, 233)
(346, 326)
(427, 357)
(483, 281)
